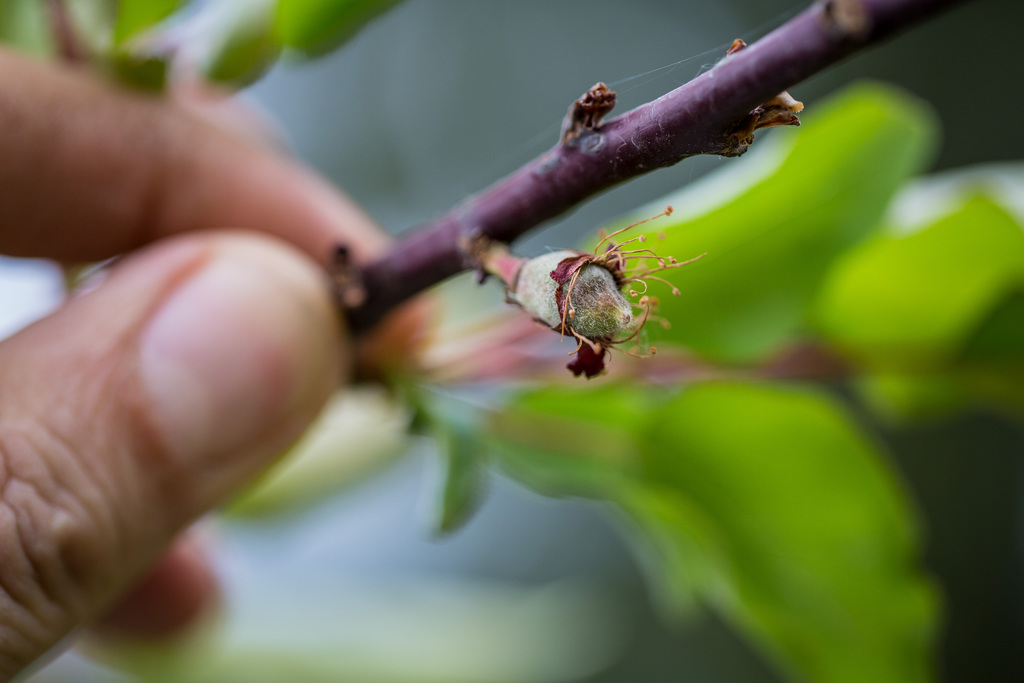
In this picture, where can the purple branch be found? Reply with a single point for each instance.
(704, 116)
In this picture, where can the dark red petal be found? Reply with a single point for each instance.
(588, 361)
(562, 273)
(567, 267)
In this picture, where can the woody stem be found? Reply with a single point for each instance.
(700, 117)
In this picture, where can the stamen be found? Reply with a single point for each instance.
(638, 330)
(695, 258)
(583, 340)
(650, 253)
(605, 238)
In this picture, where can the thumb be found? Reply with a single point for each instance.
(140, 405)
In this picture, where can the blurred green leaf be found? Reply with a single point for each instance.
(911, 302)
(1000, 337)
(244, 45)
(316, 26)
(144, 72)
(358, 432)
(135, 16)
(773, 223)
(765, 501)
(900, 396)
(935, 315)
(25, 26)
(94, 22)
(462, 475)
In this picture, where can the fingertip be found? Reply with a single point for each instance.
(237, 360)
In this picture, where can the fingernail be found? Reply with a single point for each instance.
(239, 354)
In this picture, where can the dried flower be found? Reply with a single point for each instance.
(580, 294)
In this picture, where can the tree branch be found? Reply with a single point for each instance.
(709, 115)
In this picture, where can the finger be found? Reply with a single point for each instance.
(138, 406)
(90, 171)
(171, 597)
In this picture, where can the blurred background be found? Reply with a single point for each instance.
(439, 98)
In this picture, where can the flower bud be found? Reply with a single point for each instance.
(596, 308)
(579, 294)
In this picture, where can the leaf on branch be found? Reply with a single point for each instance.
(766, 503)
(313, 27)
(773, 223)
(911, 302)
(935, 315)
(358, 432)
(242, 45)
(135, 16)
(24, 24)
(461, 456)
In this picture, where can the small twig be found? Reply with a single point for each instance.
(66, 39)
(715, 113)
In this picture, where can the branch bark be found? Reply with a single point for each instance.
(708, 115)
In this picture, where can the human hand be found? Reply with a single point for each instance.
(147, 400)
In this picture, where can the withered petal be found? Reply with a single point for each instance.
(563, 273)
(567, 267)
(588, 361)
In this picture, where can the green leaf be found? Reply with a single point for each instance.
(563, 442)
(899, 396)
(934, 308)
(25, 26)
(774, 222)
(359, 431)
(135, 16)
(1000, 337)
(94, 22)
(463, 474)
(455, 426)
(144, 72)
(244, 45)
(316, 26)
(766, 502)
(912, 302)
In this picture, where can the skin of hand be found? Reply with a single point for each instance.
(154, 395)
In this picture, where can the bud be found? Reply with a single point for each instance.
(597, 309)
(579, 294)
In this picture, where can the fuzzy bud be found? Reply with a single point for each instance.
(600, 311)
